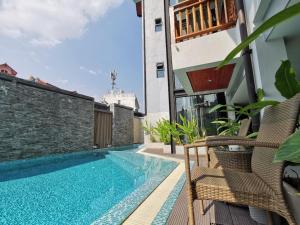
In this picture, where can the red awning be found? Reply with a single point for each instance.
(210, 79)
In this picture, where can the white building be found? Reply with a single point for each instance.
(193, 37)
(121, 98)
(156, 87)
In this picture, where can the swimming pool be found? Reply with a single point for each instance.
(95, 187)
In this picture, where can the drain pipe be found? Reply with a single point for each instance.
(171, 75)
(247, 62)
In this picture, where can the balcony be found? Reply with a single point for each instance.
(196, 18)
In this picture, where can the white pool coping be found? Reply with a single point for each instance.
(151, 206)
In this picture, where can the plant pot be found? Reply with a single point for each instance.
(167, 149)
(234, 148)
(180, 150)
(258, 215)
(147, 139)
(154, 145)
(293, 200)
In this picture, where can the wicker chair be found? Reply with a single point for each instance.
(262, 188)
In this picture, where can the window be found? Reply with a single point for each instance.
(158, 24)
(160, 70)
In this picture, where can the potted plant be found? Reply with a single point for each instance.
(163, 131)
(149, 131)
(289, 151)
(189, 132)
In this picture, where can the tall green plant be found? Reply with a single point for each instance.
(149, 130)
(227, 127)
(175, 132)
(163, 131)
(188, 129)
(271, 22)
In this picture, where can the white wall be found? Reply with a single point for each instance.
(293, 52)
(267, 54)
(156, 88)
(204, 52)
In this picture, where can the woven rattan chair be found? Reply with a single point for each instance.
(262, 188)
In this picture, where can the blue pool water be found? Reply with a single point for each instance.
(78, 188)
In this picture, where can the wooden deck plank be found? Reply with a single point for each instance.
(220, 214)
(241, 215)
(199, 218)
(179, 214)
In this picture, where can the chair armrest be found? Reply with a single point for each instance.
(216, 138)
(243, 142)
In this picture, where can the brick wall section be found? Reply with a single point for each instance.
(38, 121)
(122, 125)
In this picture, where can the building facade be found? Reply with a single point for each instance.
(6, 69)
(202, 33)
(156, 72)
(121, 98)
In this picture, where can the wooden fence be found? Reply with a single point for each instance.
(194, 18)
(103, 128)
(138, 130)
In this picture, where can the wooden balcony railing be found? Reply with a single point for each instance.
(194, 18)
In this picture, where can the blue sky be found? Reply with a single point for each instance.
(74, 46)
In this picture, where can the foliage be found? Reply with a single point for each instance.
(271, 22)
(254, 108)
(163, 131)
(149, 130)
(248, 110)
(286, 82)
(290, 149)
(176, 134)
(188, 129)
(260, 94)
(253, 135)
(227, 127)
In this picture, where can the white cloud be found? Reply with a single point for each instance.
(62, 81)
(90, 71)
(49, 22)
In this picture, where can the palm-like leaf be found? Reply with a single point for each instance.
(271, 22)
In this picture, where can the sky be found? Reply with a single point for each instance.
(74, 44)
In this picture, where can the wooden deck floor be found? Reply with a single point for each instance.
(217, 213)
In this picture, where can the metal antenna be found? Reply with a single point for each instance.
(113, 77)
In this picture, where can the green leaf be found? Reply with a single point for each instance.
(260, 94)
(289, 150)
(259, 105)
(252, 135)
(286, 82)
(216, 108)
(271, 22)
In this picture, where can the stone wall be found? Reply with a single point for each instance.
(38, 120)
(122, 133)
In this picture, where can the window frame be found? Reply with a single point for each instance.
(160, 72)
(158, 23)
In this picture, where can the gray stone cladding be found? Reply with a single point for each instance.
(37, 120)
(122, 125)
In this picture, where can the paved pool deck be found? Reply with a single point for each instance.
(216, 212)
